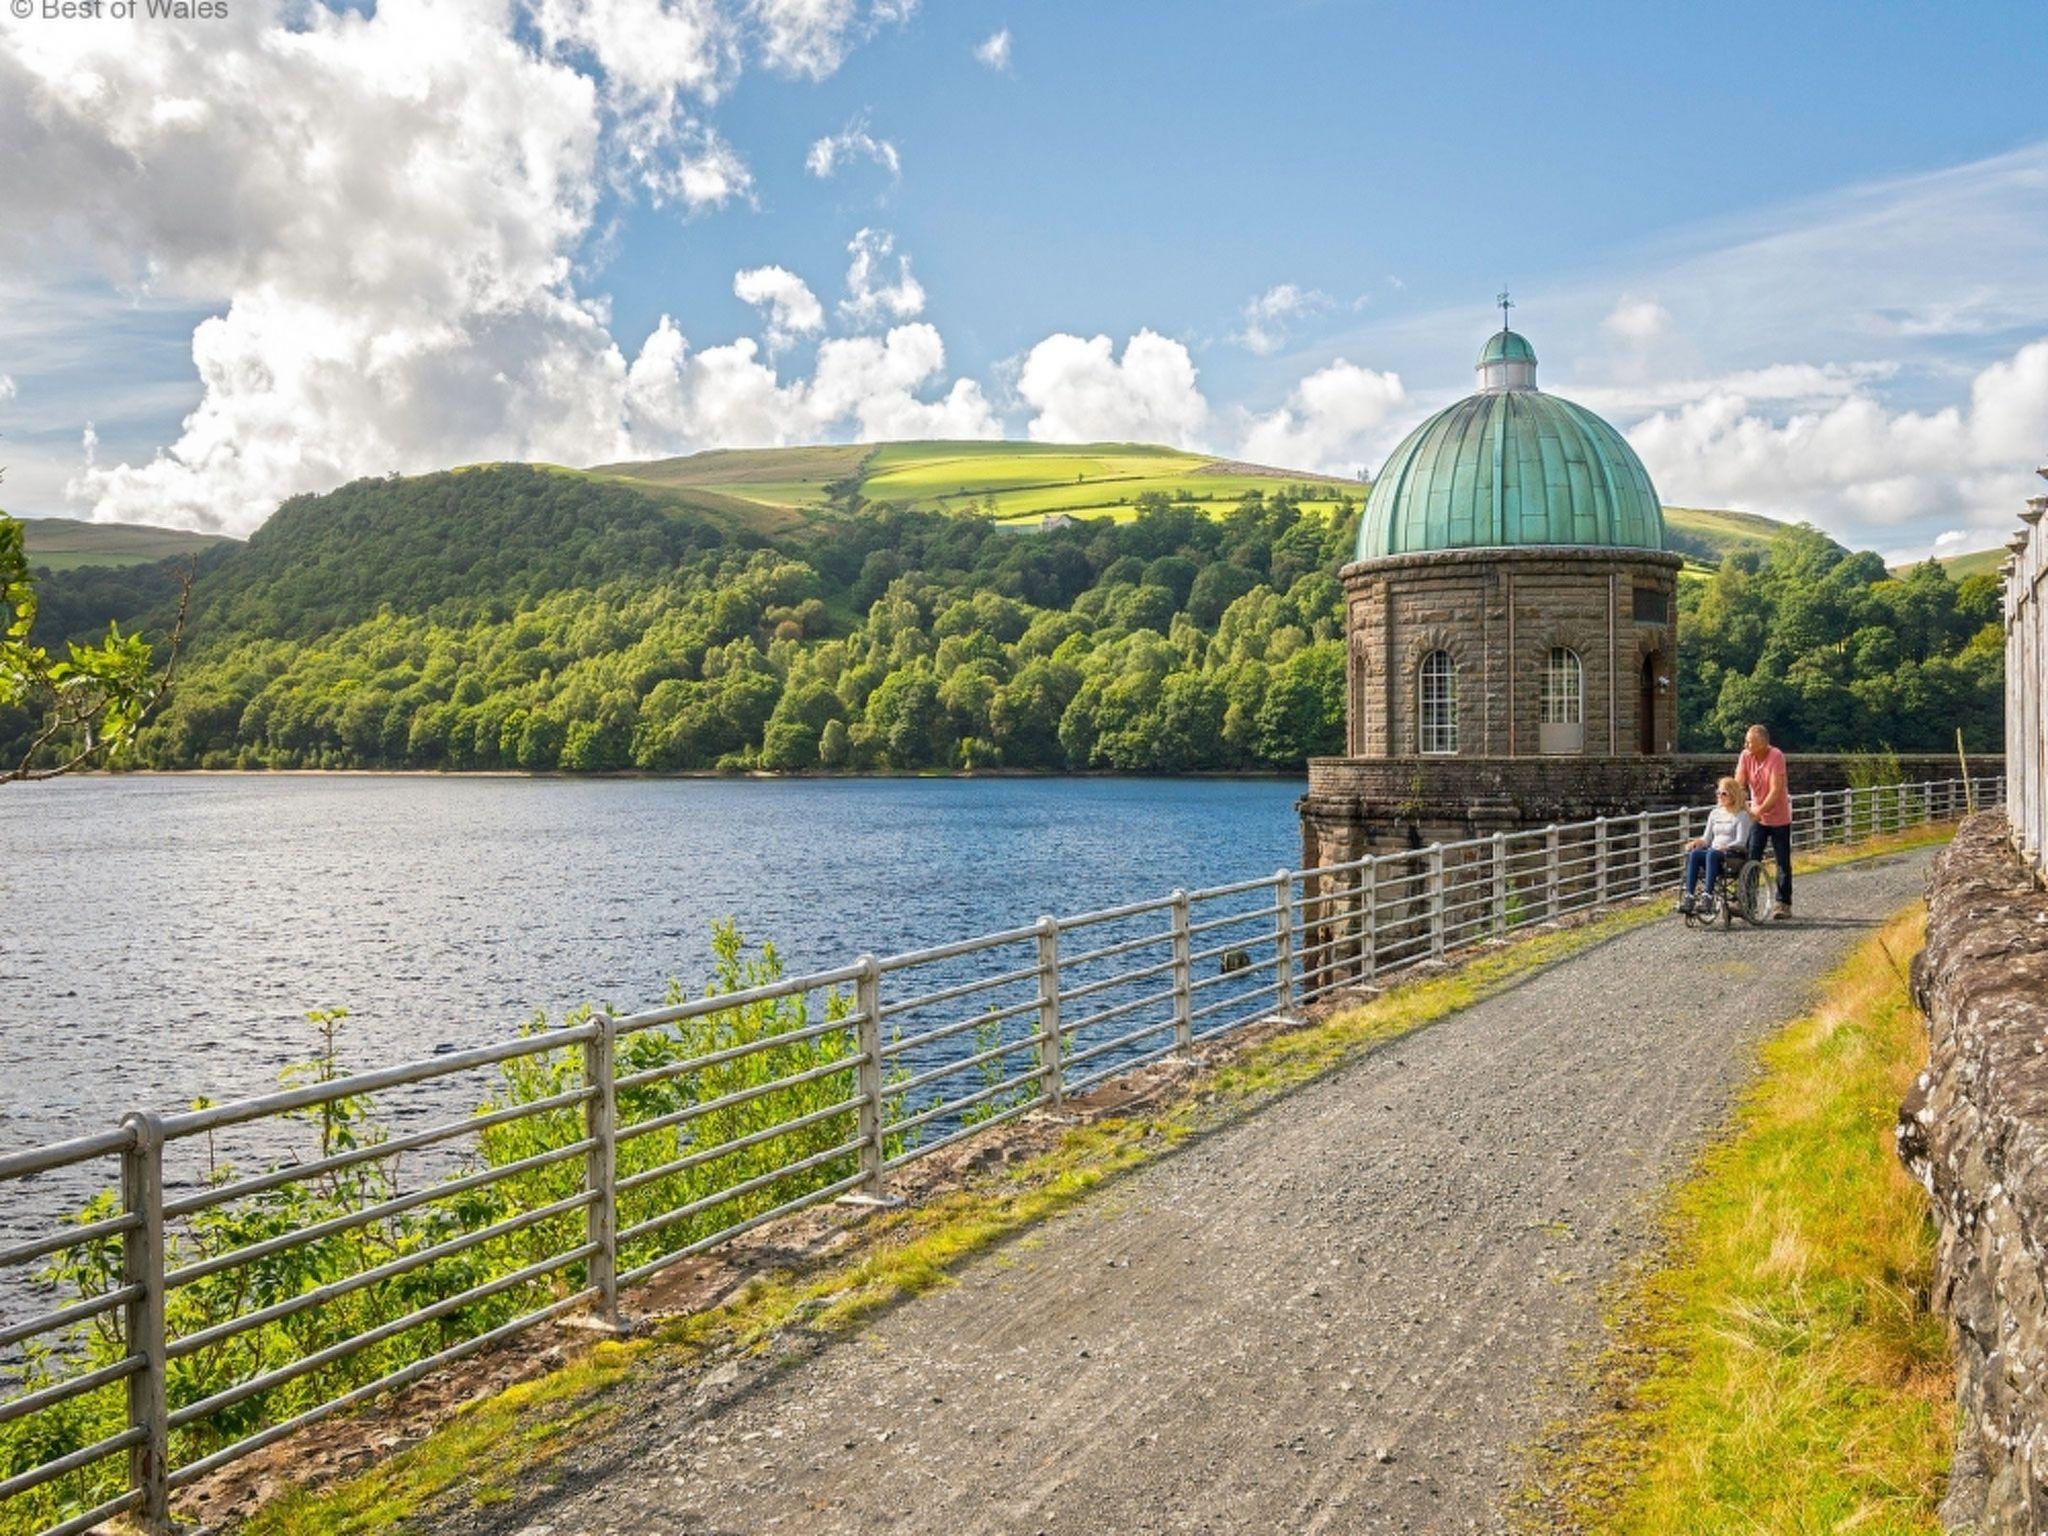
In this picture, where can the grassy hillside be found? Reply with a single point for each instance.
(65, 544)
(1978, 562)
(777, 490)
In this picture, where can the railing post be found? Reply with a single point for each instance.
(1433, 889)
(601, 1165)
(1051, 1074)
(867, 992)
(142, 1264)
(1499, 902)
(1369, 917)
(1183, 975)
(1550, 872)
(1600, 861)
(1820, 820)
(1643, 854)
(1849, 815)
(1283, 940)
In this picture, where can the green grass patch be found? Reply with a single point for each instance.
(1778, 1368)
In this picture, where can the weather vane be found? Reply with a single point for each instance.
(1505, 304)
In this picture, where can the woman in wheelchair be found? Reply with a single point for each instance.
(1728, 826)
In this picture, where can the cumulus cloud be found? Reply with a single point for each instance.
(811, 38)
(994, 51)
(1081, 391)
(1637, 322)
(1268, 317)
(725, 396)
(379, 213)
(6, 387)
(1856, 462)
(1332, 423)
(793, 310)
(870, 294)
(852, 142)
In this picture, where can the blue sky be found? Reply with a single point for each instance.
(1799, 253)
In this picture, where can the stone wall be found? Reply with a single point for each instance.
(1974, 1131)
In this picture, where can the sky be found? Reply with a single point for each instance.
(1799, 253)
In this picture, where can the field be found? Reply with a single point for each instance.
(64, 543)
(1978, 562)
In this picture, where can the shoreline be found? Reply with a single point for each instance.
(634, 776)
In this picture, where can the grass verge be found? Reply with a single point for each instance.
(1777, 1368)
(479, 1454)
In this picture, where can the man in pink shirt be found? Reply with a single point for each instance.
(1761, 768)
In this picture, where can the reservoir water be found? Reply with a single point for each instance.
(162, 937)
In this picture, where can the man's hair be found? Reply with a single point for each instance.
(1731, 785)
(1763, 731)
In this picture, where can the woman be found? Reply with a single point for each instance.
(1728, 828)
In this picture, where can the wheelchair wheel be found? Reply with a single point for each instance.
(1759, 890)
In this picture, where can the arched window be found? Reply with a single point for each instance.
(1437, 695)
(1564, 688)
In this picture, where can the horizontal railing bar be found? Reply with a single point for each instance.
(333, 1291)
(239, 1111)
(404, 1376)
(965, 1101)
(1233, 919)
(967, 1063)
(738, 1097)
(1104, 1047)
(965, 989)
(84, 1456)
(1121, 947)
(722, 1149)
(1235, 888)
(724, 1002)
(295, 1173)
(925, 1149)
(1231, 1001)
(1112, 914)
(727, 1234)
(1122, 978)
(59, 1154)
(960, 1026)
(1242, 973)
(932, 956)
(64, 1317)
(1218, 951)
(1103, 1016)
(227, 1397)
(236, 1257)
(98, 1515)
(720, 1057)
(68, 1237)
(744, 1187)
(63, 1391)
(1102, 1075)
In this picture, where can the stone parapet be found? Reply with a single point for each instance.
(1974, 1131)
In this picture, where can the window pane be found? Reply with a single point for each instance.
(1438, 700)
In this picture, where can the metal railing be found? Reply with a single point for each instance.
(206, 1311)
(2026, 678)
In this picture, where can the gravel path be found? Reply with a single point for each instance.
(1348, 1313)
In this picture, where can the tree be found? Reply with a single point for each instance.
(87, 707)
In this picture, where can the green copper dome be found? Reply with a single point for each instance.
(1507, 467)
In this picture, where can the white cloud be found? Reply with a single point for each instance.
(1080, 391)
(854, 141)
(1332, 423)
(1637, 322)
(870, 386)
(994, 51)
(793, 310)
(812, 38)
(1268, 317)
(6, 387)
(376, 215)
(1856, 463)
(870, 294)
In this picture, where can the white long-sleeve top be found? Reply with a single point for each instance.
(1728, 829)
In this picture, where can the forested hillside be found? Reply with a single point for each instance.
(523, 617)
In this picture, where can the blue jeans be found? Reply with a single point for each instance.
(1779, 841)
(1707, 859)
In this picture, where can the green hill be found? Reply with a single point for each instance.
(1978, 562)
(65, 544)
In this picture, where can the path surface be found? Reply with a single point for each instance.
(1348, 1313)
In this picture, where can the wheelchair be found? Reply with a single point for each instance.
(1747, 888)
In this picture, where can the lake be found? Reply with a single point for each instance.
(162, 937)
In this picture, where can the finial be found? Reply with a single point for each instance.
(1505, 304)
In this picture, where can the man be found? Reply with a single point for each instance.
(1761, 768)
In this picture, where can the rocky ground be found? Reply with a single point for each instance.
(1348, 1313)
